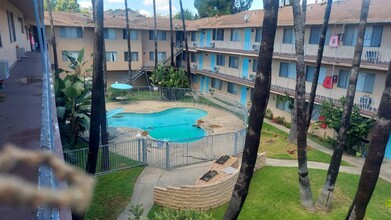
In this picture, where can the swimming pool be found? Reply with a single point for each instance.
(170, 125)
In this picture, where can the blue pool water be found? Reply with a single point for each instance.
(171, 124)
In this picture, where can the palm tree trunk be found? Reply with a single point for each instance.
(292, 136)
(304, 180)
(54, 44)
(258, 109)
(186, 45)
(319, 57)
(128, 41)
(326, 195)
(155, 31)
(97, 88)
(171, 35)
(376, 150)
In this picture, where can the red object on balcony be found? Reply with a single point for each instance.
(322, 119)
(328, 82)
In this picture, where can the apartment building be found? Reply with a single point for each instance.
(224, 50)
(14, 34)
(76, 31)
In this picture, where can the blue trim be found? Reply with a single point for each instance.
(212, 62)
(200, 57)
(388, 149)
(202, 84)
(206, 83)
(208, 37)
(243, 95)
(245, 68)
(247, 39)
(201, 38)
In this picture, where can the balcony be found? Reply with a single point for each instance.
(372, 57)
(277, 89)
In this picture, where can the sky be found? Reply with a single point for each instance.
(145, 6)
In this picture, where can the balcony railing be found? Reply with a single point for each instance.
(364, 109)
(370, 55)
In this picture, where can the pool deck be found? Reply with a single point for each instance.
(215, 122)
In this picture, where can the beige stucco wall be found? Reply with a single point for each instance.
(149, 46)
(8, 50)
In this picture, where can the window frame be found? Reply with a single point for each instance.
(217, 84)
(193, 36)
(113, 56)
(65, 34)
(126, 56)
(285, 39)
(218, 34)
(365, 87)
(232, 88)
(160, 35)
(109, 34)
(258, 35)
(233, 62)
(255, 65)
(288, 74)
(124, 34)
(340, 84)
(220, 60)
(315, 36)
(235, 35)
(11, 26)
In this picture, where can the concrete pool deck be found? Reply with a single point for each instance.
(215, 122)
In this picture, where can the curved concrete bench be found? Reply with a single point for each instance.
(203, 196)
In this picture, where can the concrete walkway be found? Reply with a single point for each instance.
(151, 176)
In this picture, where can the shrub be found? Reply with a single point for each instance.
(279, 120)
(182, 215)
(269, 114)
(287, 124)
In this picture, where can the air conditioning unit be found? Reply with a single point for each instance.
(195, 44)
(251, 77)
(212, 45)
(194, 66)
(256, 47)
(20, 52)
(4, 70)
(372, 56)
(217, 69)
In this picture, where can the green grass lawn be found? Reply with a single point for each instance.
(274, 194)
(274, 143)
(112, 193)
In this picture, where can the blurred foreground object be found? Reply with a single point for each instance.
(17, 191)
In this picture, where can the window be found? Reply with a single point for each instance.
(365, 82)
(258, 35)
(315, 35)
(315, 112)
(284, 103)
(231, 88)
(217, 84)
(11, 26)
(218, 34)
(133, 34)
(193, 36)
(255, 65)
(220, 60)
(21, 25)
(133, 56)
(74, 54)
(289, 36)
(373, 35)
(160, 56)
(233, 62)
(350, 36)
(310, 71)
(288, 70)
(109, 33)
(343, 79)
(111, 56)
(1, 43)
(235, 36)
(193, 57)
(71, 32)
(161, 35)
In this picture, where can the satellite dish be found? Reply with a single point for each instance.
(246, 17)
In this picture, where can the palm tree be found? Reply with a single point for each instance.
(319, 57)
(155, 31)
(171, 35)
(326, 195)
(371, 169)
(128, 41)
(304, 180)
(97, 88)
(186, 45)
(50, 7)
(258, 109)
